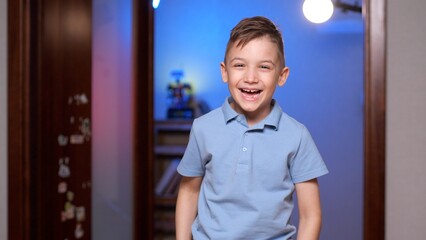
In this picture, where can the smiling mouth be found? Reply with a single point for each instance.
(250, 94)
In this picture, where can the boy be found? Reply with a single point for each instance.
(244, 160)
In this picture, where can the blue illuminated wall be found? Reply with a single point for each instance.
(324, 90)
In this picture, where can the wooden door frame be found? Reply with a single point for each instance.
(19, 120)
(143, 137)
(375, 119)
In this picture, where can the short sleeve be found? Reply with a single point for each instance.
(191, 164)
(307, 163)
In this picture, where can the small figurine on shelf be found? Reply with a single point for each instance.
(180, 98)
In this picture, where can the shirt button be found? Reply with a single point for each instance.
(244, 149)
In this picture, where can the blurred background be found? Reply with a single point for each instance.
(324, 91)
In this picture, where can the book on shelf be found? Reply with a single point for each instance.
(168, 179)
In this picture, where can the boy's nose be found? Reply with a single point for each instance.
(251, 76)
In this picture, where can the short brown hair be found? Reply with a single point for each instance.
(252, 28)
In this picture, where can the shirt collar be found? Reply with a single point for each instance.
(271, 120)
(228, 112)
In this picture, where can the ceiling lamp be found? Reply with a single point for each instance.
(318, 11)
(155, 3)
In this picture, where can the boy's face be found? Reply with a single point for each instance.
(252, 74)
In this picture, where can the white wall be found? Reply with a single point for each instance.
(3, 119)
(112, 121)
(406, 120)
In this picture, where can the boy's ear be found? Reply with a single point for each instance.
(283, 76)
(223, 72)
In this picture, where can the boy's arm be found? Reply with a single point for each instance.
(309, 210)
(186, 206)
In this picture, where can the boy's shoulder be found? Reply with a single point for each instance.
(289, 125)
(212, 117)
(289, 121)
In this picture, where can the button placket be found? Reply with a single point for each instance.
(244, 153)
(244, 146)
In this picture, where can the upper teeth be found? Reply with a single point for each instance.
(250, 91)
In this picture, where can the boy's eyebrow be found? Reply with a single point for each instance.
(242, 59)
(236, 58)
(269, 61)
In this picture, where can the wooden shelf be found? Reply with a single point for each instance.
(170, 150)
(171, 139)
(173, 125)
(165, 226)
(165, 201)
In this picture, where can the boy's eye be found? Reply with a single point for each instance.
(265, 67)
(238, 65)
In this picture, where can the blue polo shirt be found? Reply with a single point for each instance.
(248, 173)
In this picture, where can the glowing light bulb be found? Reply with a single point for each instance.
(318, 11)
(155, 3)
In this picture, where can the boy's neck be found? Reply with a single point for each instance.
(252, 118)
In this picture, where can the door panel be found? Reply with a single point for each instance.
(64, 92)
(50, 121)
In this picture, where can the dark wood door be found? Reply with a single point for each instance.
(50, 119)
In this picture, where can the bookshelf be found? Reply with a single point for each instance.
(171, 138)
